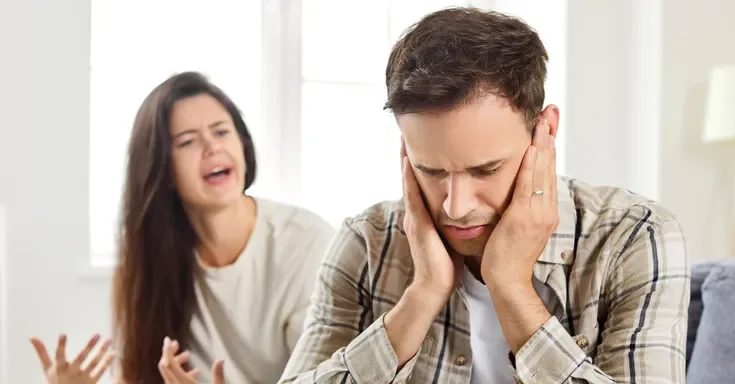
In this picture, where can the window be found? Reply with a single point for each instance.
(308, 78)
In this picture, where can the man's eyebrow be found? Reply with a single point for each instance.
(491, 164)
(426, 169)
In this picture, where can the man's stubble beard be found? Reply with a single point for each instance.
(468, 248)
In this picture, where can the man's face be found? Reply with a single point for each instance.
(466, 162)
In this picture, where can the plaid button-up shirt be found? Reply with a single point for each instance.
(618, 267)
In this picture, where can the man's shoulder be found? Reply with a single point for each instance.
(379, 229)
(290, 221)
(611, 220)
(378, 219)
(615, 206)
(373, 246)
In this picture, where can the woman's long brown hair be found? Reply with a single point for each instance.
(153, 292)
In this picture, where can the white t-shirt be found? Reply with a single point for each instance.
(489, 349)
(251, 313)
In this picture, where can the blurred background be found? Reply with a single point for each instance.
(632, 79)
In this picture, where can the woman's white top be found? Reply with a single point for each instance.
(251, 313)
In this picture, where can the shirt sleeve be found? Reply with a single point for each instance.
(646, 294)
(343, 342)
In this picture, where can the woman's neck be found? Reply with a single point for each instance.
(223, 234)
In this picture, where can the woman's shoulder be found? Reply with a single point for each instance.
(290, 220)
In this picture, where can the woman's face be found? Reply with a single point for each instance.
(208, 162)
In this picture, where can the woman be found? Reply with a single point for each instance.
(205, 268)
(223, 274)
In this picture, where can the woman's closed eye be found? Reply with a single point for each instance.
(185, 143)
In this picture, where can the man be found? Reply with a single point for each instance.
(493, 269)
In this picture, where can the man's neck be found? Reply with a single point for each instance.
(473, 264)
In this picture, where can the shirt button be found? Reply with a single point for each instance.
(565, 255)
(461, 360)
(582, 342)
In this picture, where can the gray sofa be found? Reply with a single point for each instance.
(711, 334)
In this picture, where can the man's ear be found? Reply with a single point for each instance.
(551, 115)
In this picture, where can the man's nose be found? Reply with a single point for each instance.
(460, 200)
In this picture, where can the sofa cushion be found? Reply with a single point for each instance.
(700, 271)
(714, 349)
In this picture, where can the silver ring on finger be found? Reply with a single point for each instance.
(537, 192)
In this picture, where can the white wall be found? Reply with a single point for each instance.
(694, 178)
(44, 102)
(612, 96)
(616, 106)
(3, 294)
(637, 73)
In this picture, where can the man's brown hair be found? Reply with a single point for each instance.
(457, 55)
